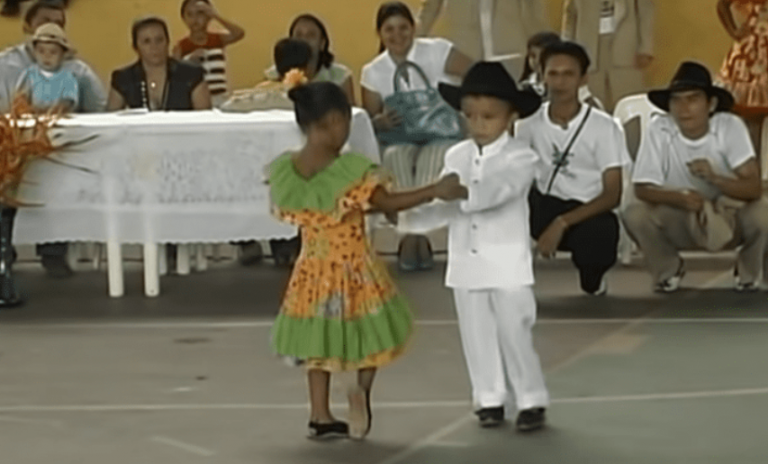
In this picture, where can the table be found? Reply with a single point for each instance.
(155, 178)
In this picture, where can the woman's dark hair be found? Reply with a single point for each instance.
(314, 100)
(185, 4)
(290, 54)
(325, 60)
(57, 5)
(568, 48)
(390, 9)
(541, 40)
(141, 23)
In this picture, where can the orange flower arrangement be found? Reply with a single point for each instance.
(294, 78)
(24, 138)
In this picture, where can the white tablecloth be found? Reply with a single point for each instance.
(166, 178)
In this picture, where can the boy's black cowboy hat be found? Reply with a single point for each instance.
(692, 76)
(491, 78)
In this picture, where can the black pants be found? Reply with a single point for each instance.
(592, 243)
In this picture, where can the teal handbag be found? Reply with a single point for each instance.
(426, 117)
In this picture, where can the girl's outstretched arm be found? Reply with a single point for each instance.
(448, 188)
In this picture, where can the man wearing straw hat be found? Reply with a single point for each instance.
(698, 182)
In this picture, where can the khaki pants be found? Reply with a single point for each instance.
(662, 231)
(414, 166)
(610, 83)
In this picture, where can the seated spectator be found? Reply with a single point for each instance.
(532, 74)
(322, 66)
(292, 59)
(412, 165)
(290, 55)
(697, 183)
(156, 81)
(91, 97)
(14, 61)
(207, 48)
(579, 177)
(47, 85)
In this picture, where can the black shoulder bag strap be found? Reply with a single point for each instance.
(564, 155)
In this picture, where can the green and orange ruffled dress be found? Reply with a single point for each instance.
(341, 310)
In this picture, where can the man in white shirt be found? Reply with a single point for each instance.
(618, 35)
(579, 177)
(489, 258)
(696, 168)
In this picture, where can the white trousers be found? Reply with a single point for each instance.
(495, 327)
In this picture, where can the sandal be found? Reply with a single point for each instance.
(328, 431)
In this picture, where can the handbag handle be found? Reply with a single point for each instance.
(402, 68)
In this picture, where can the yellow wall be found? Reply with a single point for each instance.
(100, 30)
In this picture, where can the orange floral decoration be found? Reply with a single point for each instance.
(294, 78)
(24, 138)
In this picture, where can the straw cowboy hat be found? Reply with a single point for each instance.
(51, 33)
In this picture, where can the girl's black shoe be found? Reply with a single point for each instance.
(329, 431)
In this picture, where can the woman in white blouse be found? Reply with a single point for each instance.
(412, 165)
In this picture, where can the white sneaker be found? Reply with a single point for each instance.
(602, 290)
(671, 284)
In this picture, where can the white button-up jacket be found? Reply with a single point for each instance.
(488, 237)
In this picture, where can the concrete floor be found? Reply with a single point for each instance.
(187, 377)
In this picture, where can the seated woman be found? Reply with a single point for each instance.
(292, 58)
(156, 81)
(322, 67)
(412, 165)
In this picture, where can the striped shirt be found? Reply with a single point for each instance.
(213, 61)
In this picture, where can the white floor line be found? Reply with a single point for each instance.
(183, 446)
(426, 323)
(430, 440)
(444, 432)
(20, 420)
(112, 408)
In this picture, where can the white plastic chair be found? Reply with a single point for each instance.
(628, 109)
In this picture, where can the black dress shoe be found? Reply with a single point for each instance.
(531, 419)
(491, 417)
(329, 431)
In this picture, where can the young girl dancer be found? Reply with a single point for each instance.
(341, 311)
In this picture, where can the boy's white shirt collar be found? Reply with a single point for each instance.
(494, 147)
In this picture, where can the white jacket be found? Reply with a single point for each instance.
(488, 237)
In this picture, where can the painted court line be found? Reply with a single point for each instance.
(426, 323)
(183, 446)
(109, 408)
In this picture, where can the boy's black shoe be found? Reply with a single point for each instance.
(491, 417)
(530, 419)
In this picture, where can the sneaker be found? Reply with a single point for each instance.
(602, 290)
(671, 284)
(744, 287)
(530, 419)
(491, 417)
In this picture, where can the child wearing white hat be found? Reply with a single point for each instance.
(45, 83)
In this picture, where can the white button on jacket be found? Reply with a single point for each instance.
(488, 238)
